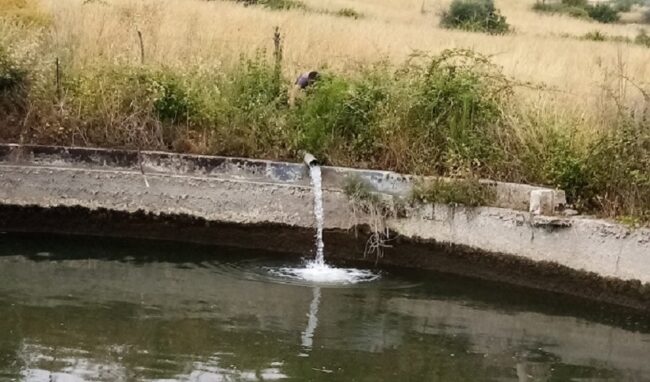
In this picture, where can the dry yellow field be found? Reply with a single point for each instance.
(542, 49)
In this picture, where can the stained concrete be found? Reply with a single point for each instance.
(234, 191)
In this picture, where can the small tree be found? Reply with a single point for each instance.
(476, 16)
(603, 13)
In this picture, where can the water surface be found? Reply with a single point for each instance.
(79, 309)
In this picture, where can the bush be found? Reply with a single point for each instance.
(456, 103)
(349, 12)
(575, 3)
(475, 16)
(339, 114)
(619, 166)
(642, 38)
(275, 4)
(595, 36)
(12, 76)
(646, 16)
(577, 12)
(13, 82)
(603, 13)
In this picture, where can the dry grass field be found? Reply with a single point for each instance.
(543, 48)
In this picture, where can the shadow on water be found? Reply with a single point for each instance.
(95, 309)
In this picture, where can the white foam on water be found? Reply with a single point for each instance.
(323, 274)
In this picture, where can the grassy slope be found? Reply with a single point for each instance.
(582, 132)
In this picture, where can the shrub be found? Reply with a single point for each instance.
(475, 16)
(349, 12)
(275, 4)
(642, 38)
(13, 81)
(171, 102)
(565, 166)
(603, 13)
(577, 12)
(12, 76)
(619, 166)
(595, 36)
(339, 114)
(626, 5)
(575, 3)
(455, 105)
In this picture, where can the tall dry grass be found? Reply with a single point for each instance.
(184, 32)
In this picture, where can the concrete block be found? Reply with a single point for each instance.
(542, 202)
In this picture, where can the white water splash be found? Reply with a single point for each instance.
(316, 270)
(323, 274)
(317, 186)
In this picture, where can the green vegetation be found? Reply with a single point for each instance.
(475, 16)
(604, 13)
(642, 38)
(349, 12)
(468, 192)
(283, 5)
(275, 4)
(451, 114)
(595, 36)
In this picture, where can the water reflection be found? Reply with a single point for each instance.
(114, 312)
(308, 334)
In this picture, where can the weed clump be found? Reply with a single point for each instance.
(595, 36)
(14, 83)
(642, 38)
(280, 5)
(349, 12)
(603, 13)
(475, 16)
(468, 192)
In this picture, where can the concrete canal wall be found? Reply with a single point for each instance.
(215, 200)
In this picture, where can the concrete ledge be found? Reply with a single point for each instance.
(508, 195)
(216, 191)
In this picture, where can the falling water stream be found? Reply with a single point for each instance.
(317, 187)
(317, 270)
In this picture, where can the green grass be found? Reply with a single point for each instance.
(474, 16)
(451, 114)
(467, 192)
(603, 13)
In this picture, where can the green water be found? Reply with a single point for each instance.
(75, 309)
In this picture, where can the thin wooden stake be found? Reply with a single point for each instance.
(59, 92)
(141, 47)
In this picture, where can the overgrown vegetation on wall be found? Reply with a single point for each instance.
(450, 114)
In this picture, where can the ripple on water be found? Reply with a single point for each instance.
(304, 274)
(324, 274)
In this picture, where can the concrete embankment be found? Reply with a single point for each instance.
(267, 204)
